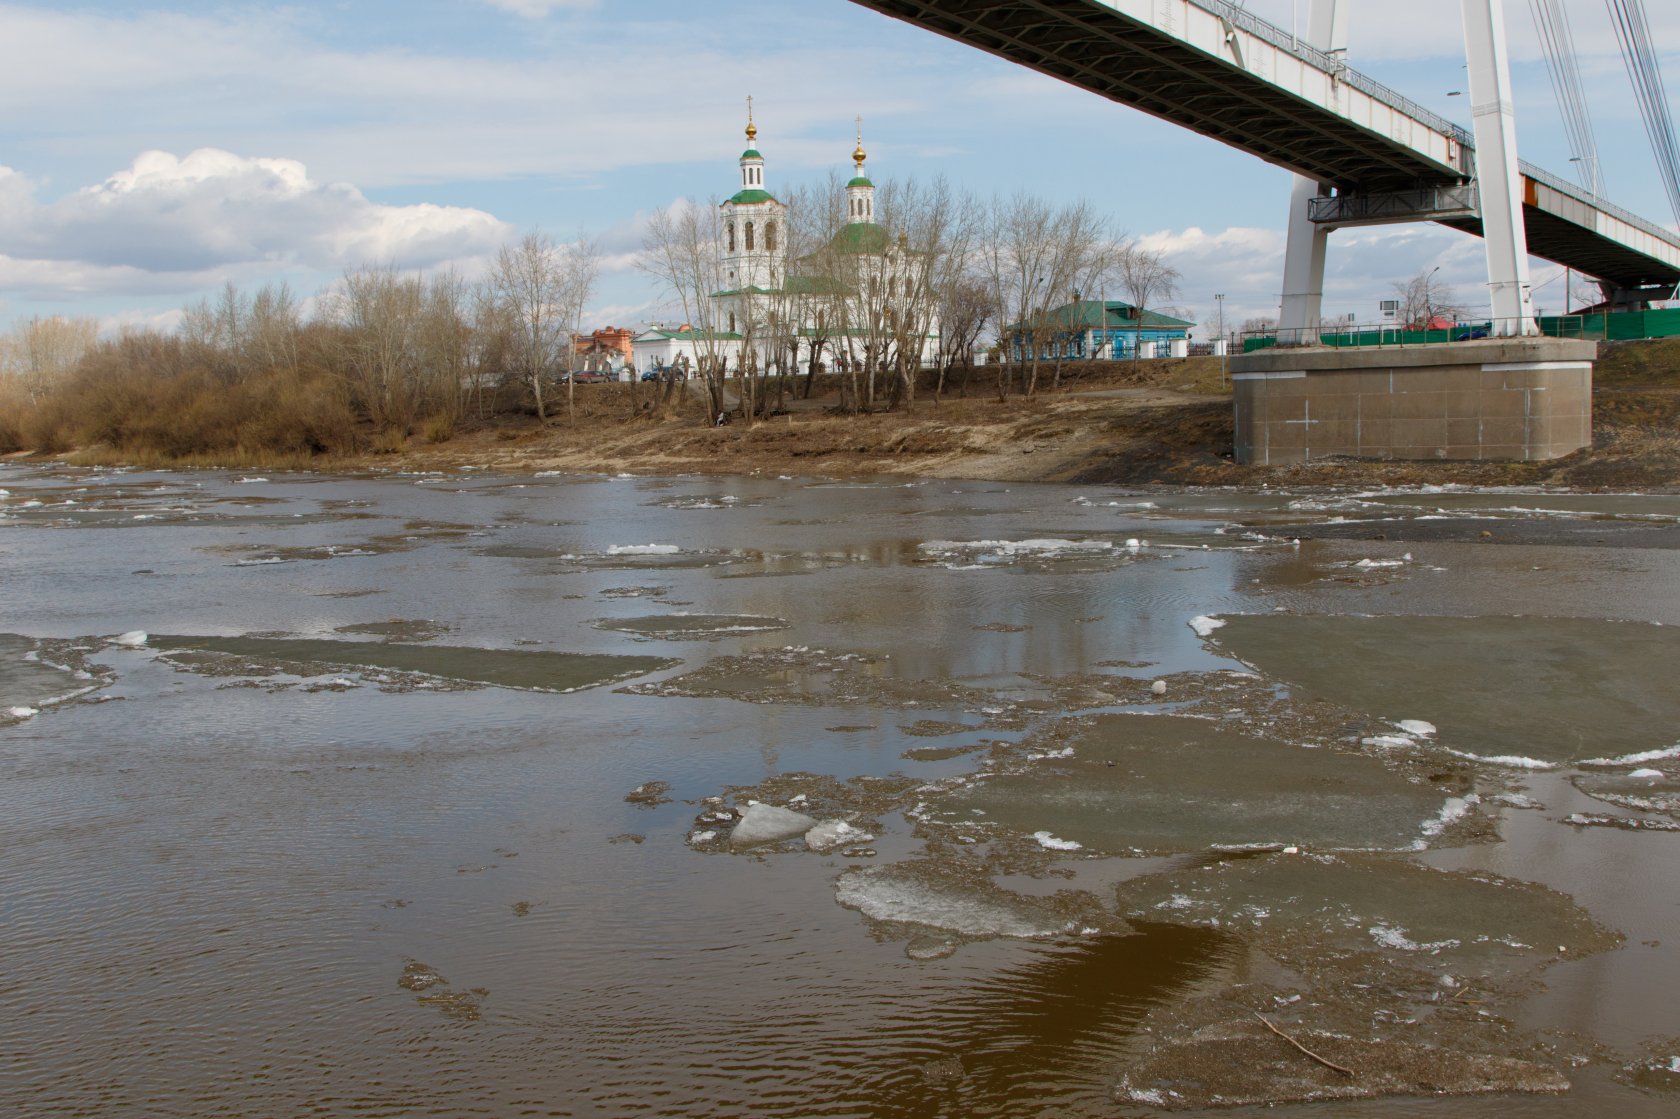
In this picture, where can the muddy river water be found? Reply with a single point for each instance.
(471, 795)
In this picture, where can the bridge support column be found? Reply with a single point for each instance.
(1497, 176)
(1302, 309)
(1501, 399)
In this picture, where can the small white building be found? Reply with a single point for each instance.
(681, 347)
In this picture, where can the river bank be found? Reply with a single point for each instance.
(1166, 422)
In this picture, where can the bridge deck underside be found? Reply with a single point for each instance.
(1562, 241)
(1091, 46)
(1097, 49)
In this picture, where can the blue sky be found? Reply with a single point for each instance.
(151, 152)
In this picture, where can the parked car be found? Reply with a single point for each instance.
(651, 375)
(584, 377)
(1471, 332)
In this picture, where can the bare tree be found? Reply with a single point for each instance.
(815, 217)
(937, 229)
(268, 336)
(1148, 279)
(42, 350)
(444, 347)
(683, 249)
(377, 311)
(965, 308)
(1034, 257)
(541, 286)
(1424, 299)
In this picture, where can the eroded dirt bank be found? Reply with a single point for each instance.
(1158, 422)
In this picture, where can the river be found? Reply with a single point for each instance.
(404, 795)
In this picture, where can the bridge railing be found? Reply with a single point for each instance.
(1335, 65)
(1581, 194)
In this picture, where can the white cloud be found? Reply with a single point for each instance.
(537, 9)
(379, 114)
(166, 221)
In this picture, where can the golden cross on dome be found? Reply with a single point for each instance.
(752, 129)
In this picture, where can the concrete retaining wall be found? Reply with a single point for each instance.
(1511, 399)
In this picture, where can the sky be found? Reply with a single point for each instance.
(153, 152)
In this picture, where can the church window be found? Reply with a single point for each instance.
(770, 236)
(732, 322)
(749, 236)
(731, 236)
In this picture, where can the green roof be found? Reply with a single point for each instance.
(751, 153)
(860, 181)
(1092, 314)
(753, 195)
(861, 237)
(696, 335)
(794, 285)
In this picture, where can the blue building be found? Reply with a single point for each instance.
(1090, 329)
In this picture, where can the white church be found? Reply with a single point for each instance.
(839, 307)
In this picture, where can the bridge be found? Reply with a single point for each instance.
(1218, 70)
(1362, 154)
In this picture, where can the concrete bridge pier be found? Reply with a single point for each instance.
(1510, 399)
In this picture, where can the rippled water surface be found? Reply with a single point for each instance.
(313, 790)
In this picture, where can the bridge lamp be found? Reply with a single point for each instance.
(1219, 299)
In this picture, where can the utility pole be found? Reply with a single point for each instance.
(1225, 346)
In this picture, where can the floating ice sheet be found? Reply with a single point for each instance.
(1166, 783)
(1546, 690)
(914, 894)
(691, 627)
(501, 668)
(1307, 906)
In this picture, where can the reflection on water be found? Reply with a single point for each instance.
(226, 865)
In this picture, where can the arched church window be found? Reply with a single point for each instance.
(732, 322)
(731, 236)
(749, 236)
(770, 236)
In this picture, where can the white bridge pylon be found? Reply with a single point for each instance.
(1498, 180)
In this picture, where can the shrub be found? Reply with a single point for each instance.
(389, 441)
(440, 428)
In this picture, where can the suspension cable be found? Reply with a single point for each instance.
(1633, 35)
(1551, 22)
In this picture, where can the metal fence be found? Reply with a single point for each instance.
(1355, 335)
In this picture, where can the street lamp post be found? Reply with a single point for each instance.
(1219, 299)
